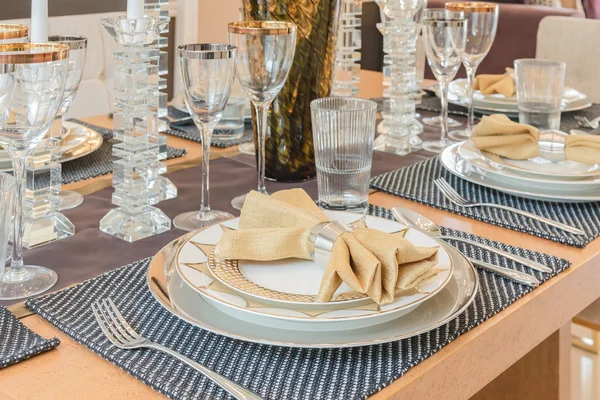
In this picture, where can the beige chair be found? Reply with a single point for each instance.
(95, 92)
(574, 41)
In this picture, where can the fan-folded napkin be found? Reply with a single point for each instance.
(499, 135)
(369, 261)
(492, 83)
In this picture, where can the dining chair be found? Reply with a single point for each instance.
(572, 40)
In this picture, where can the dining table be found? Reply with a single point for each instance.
(522, 352)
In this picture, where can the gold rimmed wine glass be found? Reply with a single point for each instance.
(32, 80)
(13, 33)
(482, 22)
(444, 42)
(266, 53)
(207, 73)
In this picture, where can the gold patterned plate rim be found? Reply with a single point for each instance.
(213, 290)
(92, 143)
(162, 271)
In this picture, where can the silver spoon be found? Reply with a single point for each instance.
(421, 223)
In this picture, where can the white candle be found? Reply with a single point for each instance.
(39, 21)
(135, 9)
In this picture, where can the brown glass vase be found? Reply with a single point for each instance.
(289, 152)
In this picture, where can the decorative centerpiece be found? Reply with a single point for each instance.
(400, 28)
(289, 149)
(136, 168)
(347, 59)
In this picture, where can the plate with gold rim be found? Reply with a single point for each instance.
(78, 142)
(301, 277)
(178, 298)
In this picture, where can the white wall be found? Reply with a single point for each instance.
(213, 16)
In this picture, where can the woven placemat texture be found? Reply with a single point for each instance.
(99, 162)
(271, 371)
(416, 183)
(18, 342)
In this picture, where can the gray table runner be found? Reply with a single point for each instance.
(99, 162)
(18, 342)
(416, 183)
(273, 372)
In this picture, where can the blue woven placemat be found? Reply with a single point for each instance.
(273, 372)
(99, 162)
(18, 342)
(416, 183)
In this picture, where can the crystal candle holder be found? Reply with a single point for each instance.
(346, 75)
(136, 166)
(400, 27)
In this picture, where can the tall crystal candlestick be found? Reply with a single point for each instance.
(400, 28)
(164, 187)
(347, 58)
(135, 126)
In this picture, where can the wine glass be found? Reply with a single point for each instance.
(207, 73)
(68, 199)
(436, 121)
(32, 80)
(266, 52)
(13, 33)
(482, 21)
(445, 39)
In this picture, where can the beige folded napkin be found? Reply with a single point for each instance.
(369, 261)
(499, 135)
(492, 83)
(583, 149)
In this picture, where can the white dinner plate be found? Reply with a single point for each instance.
(302, 277)
(494, 165)
(457, 165)
(169, 289)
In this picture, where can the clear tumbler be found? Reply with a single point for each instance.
(343, 132)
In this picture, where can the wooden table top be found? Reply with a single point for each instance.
(458, 371)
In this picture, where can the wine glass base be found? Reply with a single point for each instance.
(436, 146)
(247, 148)
(190, 221)
(459, 135)
(32, 280)
(437, 122)
(68, 200)
(238, 202)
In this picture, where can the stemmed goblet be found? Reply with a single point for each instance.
(482, 21)
(77, 54)
(266, 52)
(207, 73)
(32, 80)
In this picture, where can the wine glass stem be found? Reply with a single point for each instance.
(261, 110)
(470, 82)
(206, 130)
(444, 96)
(16, 272)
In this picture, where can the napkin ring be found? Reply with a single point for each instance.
(321, 239)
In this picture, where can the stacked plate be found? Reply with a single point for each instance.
(271, 302)
(573, 100)
(540, 178)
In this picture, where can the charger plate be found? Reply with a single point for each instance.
(290, 286)
(454, 163)
(495, 165)
(79, 141)
(176, 296)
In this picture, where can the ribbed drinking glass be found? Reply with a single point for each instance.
(32, 80)
(207, 74)
(482, 21)
(343, 133)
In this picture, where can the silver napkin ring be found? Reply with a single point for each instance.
(321, 239)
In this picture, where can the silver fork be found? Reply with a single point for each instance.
(452, 195)
(586, 123)
(122, 335)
